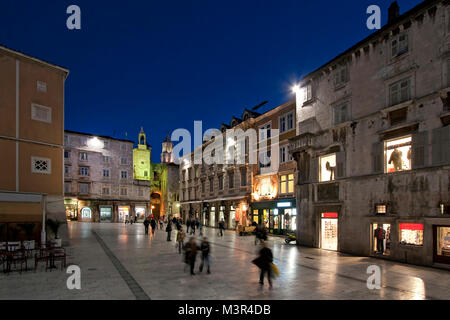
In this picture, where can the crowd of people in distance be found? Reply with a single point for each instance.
(192, 249)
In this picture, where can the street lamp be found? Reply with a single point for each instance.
(296, 89)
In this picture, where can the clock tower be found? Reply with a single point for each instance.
(141, 159)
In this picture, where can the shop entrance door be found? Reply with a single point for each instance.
(329, 232)
(441, 241)
(381, 239)
(105, 214)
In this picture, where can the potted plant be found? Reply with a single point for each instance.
(28, 228)
(54, 225)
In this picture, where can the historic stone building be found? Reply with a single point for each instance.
(218, 191)
(99, 184)
(373, 143)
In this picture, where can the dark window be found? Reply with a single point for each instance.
(398, 116)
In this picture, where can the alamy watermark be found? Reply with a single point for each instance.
(374, 280)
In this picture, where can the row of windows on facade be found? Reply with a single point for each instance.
(396, 154)
(84, 188)
(84, 156)
(85, 172)
(264, 161)
(286, 123)
(83, 141)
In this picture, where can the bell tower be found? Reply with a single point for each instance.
(167, 151)
(141, 158)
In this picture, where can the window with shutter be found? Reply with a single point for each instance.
(441, 146)
(377, 157)
(340, 165)
(314, 172)
(41, 113)
(419, 150)
(400, 91)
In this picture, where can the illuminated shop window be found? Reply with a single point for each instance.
(397, 153)
(381, 209)
(287, 184)
(328, 168)
(443, 241)
(86, 213)
(411, 234)
(382, 238)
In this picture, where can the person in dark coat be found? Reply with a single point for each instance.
(191, 253)
(188, 224)
(221, 227)
(264, 263)
(153, 225)
(205, 249)
(146, 224)
(169, 230)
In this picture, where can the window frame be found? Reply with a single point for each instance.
(398, 99)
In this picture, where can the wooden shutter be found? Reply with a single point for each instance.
(314, 170)
(378, 157)
(340, 165)
(419, 155)
(441, 146)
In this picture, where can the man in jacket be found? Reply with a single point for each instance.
(153, 225)
(380, 235)
(146, 224)
(169, 230)
(206, 250)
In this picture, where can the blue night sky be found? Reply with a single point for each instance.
(163, 64)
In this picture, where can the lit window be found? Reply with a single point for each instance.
(381, 209)
(283, 186)
(105, 190)
(86, 213)
(443, 241)
(398, 154)
(287, 184)
(291, 183)
(41, 165)
(400, 91)
(411, 234)
(328, 168)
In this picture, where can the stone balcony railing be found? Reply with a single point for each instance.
(301, 142)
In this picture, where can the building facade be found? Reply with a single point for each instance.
(373, 143)
(273, 199)
(31, 141)
(99, 184)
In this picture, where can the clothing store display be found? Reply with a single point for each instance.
(396, 159)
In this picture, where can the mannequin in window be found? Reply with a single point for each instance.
(331, 169)
(380, 235)
(396, 160)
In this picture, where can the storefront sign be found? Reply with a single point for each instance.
(330, 215)
(411, 226)
(284, 204)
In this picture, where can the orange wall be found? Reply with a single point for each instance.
(35, 182)
(7, 96)
(8, 165)
(30, 73)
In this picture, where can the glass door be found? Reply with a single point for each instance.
(329, 232)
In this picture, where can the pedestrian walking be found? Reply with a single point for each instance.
(260, 234)
(205, 249)
(153, 225)
(188, 225)
(180, 239)
(161, 223)
(201, 228)
(221, 227)
(193, 227)
(169, 230)
(197, 223)
(264, 263)
(146, 224)
(191, 254)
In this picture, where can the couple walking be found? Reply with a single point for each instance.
(191, 249)
(151, 223)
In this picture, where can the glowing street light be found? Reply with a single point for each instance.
(296, 89)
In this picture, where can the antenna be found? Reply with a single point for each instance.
(259, 105)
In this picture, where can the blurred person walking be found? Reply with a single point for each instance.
(206, 251)
(264, 263)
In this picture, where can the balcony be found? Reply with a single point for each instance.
(301, 143)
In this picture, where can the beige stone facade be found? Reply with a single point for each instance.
(373, 144)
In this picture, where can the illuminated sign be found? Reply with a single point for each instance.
(284, 204)
(330, 215)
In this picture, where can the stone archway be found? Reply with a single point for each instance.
(157, 205)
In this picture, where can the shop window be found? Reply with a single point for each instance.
(290, 219)
(411, 234)
(398, 154)
(399, 45)
(382, 238)
(381, 209)
(443, 241)
(86, 213)
(400, 91)
(327, 168)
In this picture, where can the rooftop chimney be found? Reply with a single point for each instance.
(393, 12)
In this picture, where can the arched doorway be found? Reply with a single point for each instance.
(155, 202)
